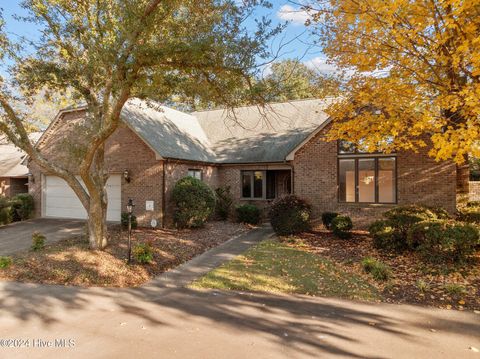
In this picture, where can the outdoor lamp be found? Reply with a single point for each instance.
(130, 206)
(126, 175)
(31, 178)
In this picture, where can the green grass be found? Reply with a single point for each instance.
(276, 267)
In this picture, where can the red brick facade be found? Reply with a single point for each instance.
(314, 176)
(419, 180)
(10, 186)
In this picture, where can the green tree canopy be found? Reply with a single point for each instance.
(108, 51)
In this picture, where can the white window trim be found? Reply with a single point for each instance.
(264, 185)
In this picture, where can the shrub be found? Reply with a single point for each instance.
(402, 218)
(5, 262)
(290, 215)
(469, 216)
(5, 211)
(38, 241)
(21, 207)
(379, 270)
(473, 204)
(327, 218)
(248, 213)
(440, 241)
(124, 220)
(194, 202)
(224, 202)
(143, 253)
(341, 226)
(385, 237)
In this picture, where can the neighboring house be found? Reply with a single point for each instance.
(13, 171)
(261, 154)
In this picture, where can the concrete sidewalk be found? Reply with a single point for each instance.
(164, 320)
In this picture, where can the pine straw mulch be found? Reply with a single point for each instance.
(414, 281)
(70, 262)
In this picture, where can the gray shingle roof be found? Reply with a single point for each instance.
(171, 133)
(269, 134)
(11, 158)
(247, 135)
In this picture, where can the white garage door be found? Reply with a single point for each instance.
(62, 202)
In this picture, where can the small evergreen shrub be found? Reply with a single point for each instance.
(379, 270)
(224, 202)
(469, 216)
(194, 202)
(327, 218)
(38, 241)
(248, 213)
(473, 204)
(5, 211)
(143, 253)
(5, 262)
(385, 237)
(124, 220)
(290, 215)
(443, 241)
(21, 207)
(341, 226)
(402, 218)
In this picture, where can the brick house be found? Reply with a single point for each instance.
(261, 154)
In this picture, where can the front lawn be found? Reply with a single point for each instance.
(282, 267)
(318, 263)
(70, 262)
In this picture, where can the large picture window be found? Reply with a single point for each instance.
(266, 184)
(366, 178)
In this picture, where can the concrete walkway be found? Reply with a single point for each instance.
(164, 320)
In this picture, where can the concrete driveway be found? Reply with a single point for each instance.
(18, 236)
(166, 319)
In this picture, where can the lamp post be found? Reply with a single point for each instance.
(130, 206)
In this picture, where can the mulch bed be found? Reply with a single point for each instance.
(414, 281)
(70, 262)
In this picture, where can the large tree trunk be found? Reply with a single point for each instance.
(97, 222)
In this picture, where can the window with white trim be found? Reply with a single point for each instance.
(195, 173)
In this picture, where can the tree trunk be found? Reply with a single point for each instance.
(97, 222)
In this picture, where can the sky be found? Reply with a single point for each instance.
(296, 41)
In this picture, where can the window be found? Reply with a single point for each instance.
(253, 184)
(366, 178)
(195, 173)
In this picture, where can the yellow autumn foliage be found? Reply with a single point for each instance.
(411, 73)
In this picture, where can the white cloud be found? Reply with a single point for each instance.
(320, 64)
(296, 16)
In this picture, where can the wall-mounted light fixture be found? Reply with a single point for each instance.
(31, 177)
(126, 176)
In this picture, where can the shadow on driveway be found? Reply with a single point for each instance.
(18, 236)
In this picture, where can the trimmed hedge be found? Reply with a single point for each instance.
(341, 226)
(248, 213)
(21, 207)
(5, 211)
(385, 237)
(443, 241)
(290, 215)
(194, 202)
(327, 218)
